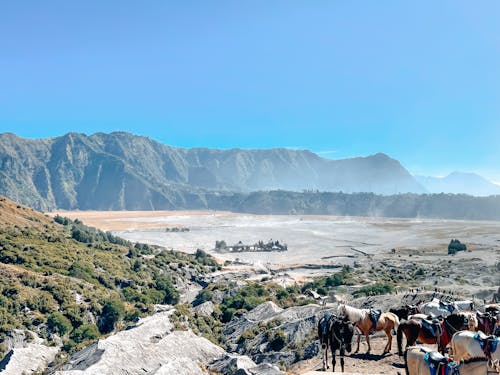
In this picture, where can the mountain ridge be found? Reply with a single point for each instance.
(120, 170)
(459, 183)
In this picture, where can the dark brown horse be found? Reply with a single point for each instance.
(405, 311)
(486, 322)
(336, 333)
(416, 329)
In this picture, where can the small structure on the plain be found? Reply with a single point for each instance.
(260, 246)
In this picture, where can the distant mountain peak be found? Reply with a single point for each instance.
(460, 183)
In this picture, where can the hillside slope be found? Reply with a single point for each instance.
(61, 278)
(123, 171)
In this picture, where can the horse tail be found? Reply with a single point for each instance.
(396, 322)
(406, 363)
(400, 338)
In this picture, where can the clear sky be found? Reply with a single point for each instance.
(417, 80)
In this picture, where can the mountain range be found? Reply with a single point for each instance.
(459, 183)
(122, 171)
(125, 171)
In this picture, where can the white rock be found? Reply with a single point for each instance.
(27, 353)
(150, 347)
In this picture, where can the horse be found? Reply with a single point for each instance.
(419, 329)
(335, 333)
(437, 308)
(362, 320)
(341, 332)
(405, 311)
(466, 344)
(419, 359)
(486, 322)
(464, 305)
(324, 336)
(493, 308)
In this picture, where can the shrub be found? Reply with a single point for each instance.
(112, 312)
(164, 284)
(58, 323)
(85, 332)
(277, 340)
(375, 289)
(455, 246)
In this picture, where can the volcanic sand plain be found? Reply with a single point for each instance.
(316, 243)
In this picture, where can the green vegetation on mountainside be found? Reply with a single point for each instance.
(62, 277)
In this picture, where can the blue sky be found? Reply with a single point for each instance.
(418, 80)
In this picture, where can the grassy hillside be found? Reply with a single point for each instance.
(58, 276)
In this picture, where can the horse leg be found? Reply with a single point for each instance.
(334, 362)
(326, 354)
(367, 335)
(342, 354)
(359, 339)
(388, 346)
(323, 346)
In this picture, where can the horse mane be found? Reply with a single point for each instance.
(354, 314)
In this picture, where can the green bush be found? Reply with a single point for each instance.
(375, 289)
(164, 284)
(455, 246)
(58, 323)
(85, 332)
(112, 312)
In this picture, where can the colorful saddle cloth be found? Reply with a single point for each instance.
(487, 343)
(439, 364)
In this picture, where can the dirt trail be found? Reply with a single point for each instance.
(360, 363)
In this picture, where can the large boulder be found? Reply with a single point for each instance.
(150, 347)
(232, 364)
(26, 353)
(270, 334)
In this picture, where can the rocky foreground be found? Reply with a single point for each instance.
(150, 347)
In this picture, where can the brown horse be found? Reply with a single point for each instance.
(486, 322)
(415, 329)
(362, 320)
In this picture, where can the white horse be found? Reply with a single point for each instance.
(436, 307)
(465, 346)
(415, 363)
(466, 305)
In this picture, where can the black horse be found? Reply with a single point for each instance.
(337, 333)
(405, 311)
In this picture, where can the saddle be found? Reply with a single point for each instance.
(438, 363)
(374, 316)
(433, 326)
(488, 344)
(447, 306)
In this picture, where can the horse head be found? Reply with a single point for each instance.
(341, 310)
